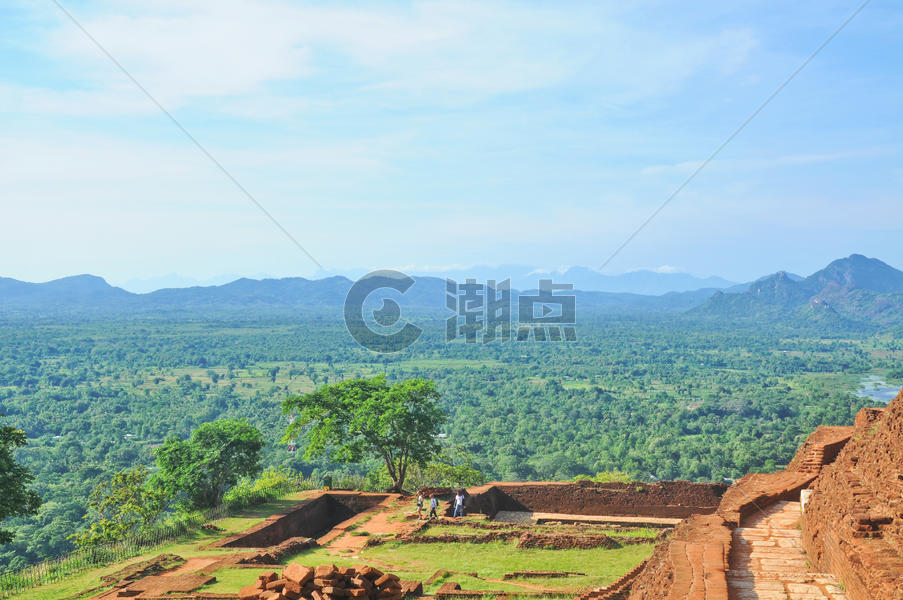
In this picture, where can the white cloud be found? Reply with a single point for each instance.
(237, 52)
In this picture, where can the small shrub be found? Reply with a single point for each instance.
(607, 477)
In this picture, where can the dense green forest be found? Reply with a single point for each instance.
(660, 397)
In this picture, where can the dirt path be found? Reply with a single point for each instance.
(382, 519)
(195, 564)
(768, 561)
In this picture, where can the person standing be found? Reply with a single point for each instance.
(459, 504)
(434, 504)
(419, 506)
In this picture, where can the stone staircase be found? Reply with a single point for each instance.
(767, 560)
(813, 460)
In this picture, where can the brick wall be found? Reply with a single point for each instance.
(853, 522)
(309, 518)
(669, 499)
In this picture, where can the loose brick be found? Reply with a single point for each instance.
(297, 573)
(334, 591)
(362, 583)
(276, 585)
(325, 572)
(369, 572)
(384, 579)
(292, 586)
(412, 588)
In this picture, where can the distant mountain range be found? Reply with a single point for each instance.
(849, 291)
(523, 277)
(151, 284)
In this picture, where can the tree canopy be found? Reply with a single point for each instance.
(16, 500)
(121, 506)
(200, 470)
(350, 420)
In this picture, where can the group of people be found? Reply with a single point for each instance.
(434, 505)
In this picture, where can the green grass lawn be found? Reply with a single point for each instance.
(490, 561)
(548, 529)
(230, 580)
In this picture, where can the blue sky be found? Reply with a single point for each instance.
(446, 133)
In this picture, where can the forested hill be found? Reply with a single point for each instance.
(92, 296)
(849, 292)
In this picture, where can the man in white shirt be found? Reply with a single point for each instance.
(459, 504)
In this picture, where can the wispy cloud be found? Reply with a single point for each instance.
(687, 167)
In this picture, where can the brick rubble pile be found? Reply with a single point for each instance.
(326, 582)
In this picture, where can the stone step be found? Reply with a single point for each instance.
(768, 561)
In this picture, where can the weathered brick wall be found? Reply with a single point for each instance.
(853, 522)
(671, 499)
(820, 448)
(309, 518)
(693, 561)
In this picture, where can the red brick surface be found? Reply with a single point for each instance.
(695, 561)
(853, 523)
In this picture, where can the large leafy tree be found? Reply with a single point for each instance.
(201, 469)
(451, 468)
(16, 500)
(352, 419)
(122, 506)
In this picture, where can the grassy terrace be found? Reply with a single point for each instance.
(489, 561)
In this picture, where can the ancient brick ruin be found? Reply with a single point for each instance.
(853, 521)
(307, 519)
(662, 500)
(830, 526)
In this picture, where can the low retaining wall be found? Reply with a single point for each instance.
(309, 519)
(664, 499)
